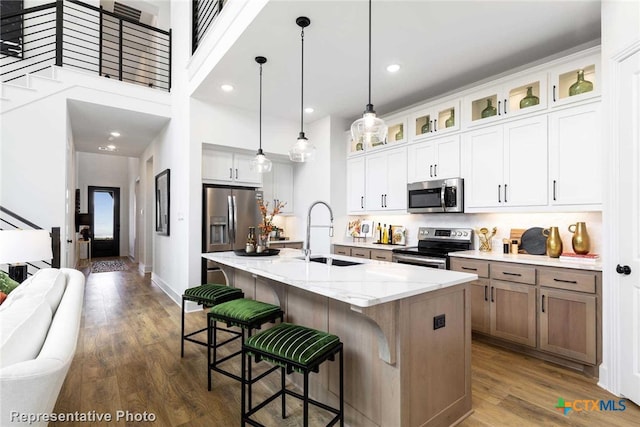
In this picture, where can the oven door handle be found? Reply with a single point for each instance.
(419, 260)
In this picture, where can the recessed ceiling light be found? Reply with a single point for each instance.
(226, 88)
(115, 134)
(309, 110)
(393, 68)
(109, 147)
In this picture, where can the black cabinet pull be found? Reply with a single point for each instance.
(505, 106)
(492, 300)
(230, 173)
(431, 126)
(554, 93)
(470, 269)
(554, 187)
(543, 303)
(499, 193)
(565, 281)
(69, 241)
(435, 170)
(385, 200)
(485, 293)
(499, 110)
(505, 193)
(435, 125)
(431, 171)
(511, 274)
(382, 200)
(236, 173)
(362, 202)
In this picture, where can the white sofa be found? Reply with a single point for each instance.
(39, 327)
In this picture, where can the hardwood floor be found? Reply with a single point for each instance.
(128, 359)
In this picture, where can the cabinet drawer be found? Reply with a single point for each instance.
(276, 245)
(514, 273)
(479, 267)
(296, 245)
(342, 250)
(381, 255)
(360, 253)
(572, 280)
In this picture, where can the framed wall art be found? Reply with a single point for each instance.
(163, 180)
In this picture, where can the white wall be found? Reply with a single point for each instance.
(104, 170)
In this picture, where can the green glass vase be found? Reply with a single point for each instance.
(489, 111)
(400, 134)
(581, 85)
(426, 128)
(451, 120)
(529, 100)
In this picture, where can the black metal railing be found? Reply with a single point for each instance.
(12, 221)
(77, 35)
(203, 14)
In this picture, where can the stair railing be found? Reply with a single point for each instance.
(78, 35)
(203, 13)
(11, 221)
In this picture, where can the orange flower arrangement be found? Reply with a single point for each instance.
(266, 226)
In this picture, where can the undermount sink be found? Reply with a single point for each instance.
(333, 261)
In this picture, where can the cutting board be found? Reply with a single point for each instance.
(534, 242)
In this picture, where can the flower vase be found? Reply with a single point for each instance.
(489, 111)
(529, 100)
(581, 85)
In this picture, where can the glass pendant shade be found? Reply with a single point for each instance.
(302, 150)
(370, 130)
(261, 163)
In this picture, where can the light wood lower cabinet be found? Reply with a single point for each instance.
(480, 306)
(381, 255)
(359, 252)
(342, 250)
(285, 244)
(513, 312)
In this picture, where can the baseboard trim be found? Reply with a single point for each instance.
(166, 288)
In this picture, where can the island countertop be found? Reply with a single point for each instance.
(364, 285)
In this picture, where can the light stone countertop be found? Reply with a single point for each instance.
(369, 245)
(528, 259)
(368, 284)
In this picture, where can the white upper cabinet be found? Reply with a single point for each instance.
(434, 159)
(229, 167)
(575, 156)
(356, 203)
(386, 180)
(520, 95)
(278, 186)
(396, 134)
(506, 165)
(575, 80)
(434, 120)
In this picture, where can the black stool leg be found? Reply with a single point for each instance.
(282, 373)
(305, 403)
(341, 390)
(210, 341)
(242, 384)
(182, 334)
(249, 369)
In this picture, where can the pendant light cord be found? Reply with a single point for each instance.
(260, 120)
(369, 52)
(302, 84)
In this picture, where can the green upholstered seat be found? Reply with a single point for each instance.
(293, 343)
(242, 312)
(212, 294)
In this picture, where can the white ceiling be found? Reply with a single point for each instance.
(441, 46)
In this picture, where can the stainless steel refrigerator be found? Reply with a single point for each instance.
(228, 212)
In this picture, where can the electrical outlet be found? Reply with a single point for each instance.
(438, 322)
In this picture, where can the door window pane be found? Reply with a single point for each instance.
(103, 215)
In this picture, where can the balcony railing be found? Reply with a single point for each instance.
(77, 35)
(204, 12)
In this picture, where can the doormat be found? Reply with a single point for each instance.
(109, 265)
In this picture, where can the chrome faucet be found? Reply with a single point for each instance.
(307, 245)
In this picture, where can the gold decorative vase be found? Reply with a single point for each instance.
(554, 242)
(580, 240)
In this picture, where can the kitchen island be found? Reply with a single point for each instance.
(406, 331)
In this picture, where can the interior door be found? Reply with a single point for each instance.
(628, 210)
(104, 209)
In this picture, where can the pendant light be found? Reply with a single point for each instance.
(260, 163)
(370, 130)
(302, 150)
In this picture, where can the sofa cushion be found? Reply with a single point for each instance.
(23, 329)
(7, 284)
(49, 283)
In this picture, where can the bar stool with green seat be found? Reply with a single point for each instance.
(292, 348)
(208, 295)
(248, 315)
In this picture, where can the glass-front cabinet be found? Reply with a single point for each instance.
(575, 80)
(435, 120)
(521, 95)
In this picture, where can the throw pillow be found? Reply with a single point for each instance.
(3, 297)
(7, 284)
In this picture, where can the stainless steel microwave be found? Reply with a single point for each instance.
(439, 196)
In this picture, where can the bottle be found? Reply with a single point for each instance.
(581, 85)
(529, 100)
(505, 246)
(379, 233)
(489, 111)
(251, 241)
(514, 247)
(450, 121)
(426, 127)
(385, 235)
(400, 133)
(390, 238)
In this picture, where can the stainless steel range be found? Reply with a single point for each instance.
(433, 246)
